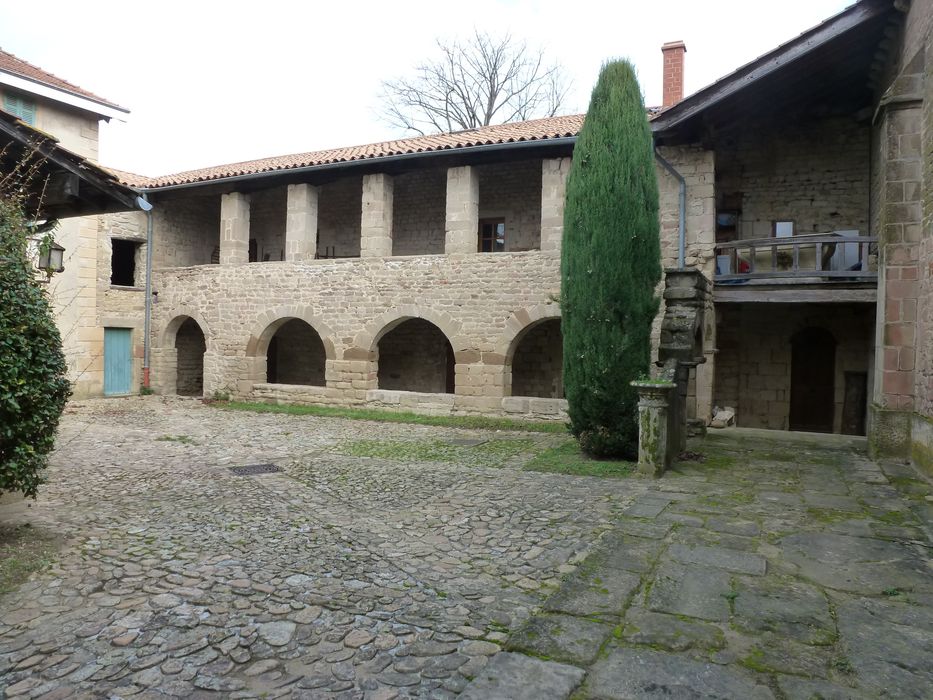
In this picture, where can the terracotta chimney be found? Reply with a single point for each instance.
(673, 52)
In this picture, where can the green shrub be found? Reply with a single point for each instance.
(610, 265)
(33, 382)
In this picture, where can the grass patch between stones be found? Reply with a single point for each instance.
(473, 422)
(569, 459)
(491, 452)
(23, 550)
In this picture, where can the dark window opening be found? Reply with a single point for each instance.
(123, 263)
(491, 235)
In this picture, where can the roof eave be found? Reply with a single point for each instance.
(776, 60)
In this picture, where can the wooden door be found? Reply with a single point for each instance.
(118, 361)
(812, 377)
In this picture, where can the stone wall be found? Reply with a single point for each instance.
(418, 222)
(753, 370)
(186, 231)
(816, 175)
(339, 217)
(537, 365)
(299, 355)
(351, 302)
(513, 191)
(413, 357)
(190, 346)
(267, 210)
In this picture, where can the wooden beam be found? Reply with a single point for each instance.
(750, 295)
(768, 64)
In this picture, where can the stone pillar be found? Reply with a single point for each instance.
(654, 453)
(461, 230)
(234, 228)
(376, 222)
(553, 189)
(900, 162)
(301, 223)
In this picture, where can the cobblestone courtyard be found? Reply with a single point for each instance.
(440, 567)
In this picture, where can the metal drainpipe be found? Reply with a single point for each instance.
(681, 239)
(148, 295)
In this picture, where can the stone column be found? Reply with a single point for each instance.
(654, 454)
(376, 222)
(234, 228)
(301, 223)
(462, 227)
(553, 189)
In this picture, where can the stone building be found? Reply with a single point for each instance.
(88, 310)
(421, 273)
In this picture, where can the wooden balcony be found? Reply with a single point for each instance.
(817, 267)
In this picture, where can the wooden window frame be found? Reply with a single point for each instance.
(494, 221)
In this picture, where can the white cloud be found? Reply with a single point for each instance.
(218, 82)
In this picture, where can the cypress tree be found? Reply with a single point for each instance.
(611, 265)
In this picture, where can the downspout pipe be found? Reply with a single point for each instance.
(147, 207)
(681, 220)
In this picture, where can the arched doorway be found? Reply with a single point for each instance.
(189, 367)
(415, 355)
(812, 380)
(537, 361)
(296, 355)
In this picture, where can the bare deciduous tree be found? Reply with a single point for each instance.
(484, 80)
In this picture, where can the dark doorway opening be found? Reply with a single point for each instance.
(416, 356)
(812, 381)
(855, 403)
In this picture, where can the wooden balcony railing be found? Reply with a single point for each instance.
(826, 256)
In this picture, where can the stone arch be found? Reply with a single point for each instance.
(415, 355)
(178, 356)
(534, 362)
(519, 323)
(177, 316)
(270, 321)
(367, 340)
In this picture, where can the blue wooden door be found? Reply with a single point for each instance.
(118, 361)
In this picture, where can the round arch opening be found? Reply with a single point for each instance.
(415, 355)
(190, 345)
(537, 361)
(296, 355)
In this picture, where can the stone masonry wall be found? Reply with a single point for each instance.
(190, 346)
(186, 231)
(339, 217)
(753, 370)
(513, 191)
(413, 357)
(267, 223)
(350, 302)
(418, 223)
(537, 366)
(815, 175)
(300, 356)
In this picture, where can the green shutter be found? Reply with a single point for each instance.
(20, 107)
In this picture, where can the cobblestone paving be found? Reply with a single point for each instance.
(770, 569)
(340, 576)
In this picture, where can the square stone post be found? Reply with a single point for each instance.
(553, 189)
(301, 223)
(654, 449)
(376, 222)
(461, 230)
(234, 228)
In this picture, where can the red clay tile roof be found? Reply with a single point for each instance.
(17, 66)
(535, 130)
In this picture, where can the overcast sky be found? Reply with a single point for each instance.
(219, 82)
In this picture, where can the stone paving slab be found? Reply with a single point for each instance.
(520, 677)
(719, 557)
(643, 673)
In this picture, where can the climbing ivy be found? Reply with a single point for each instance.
(33, 382)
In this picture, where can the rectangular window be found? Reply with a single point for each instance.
(783, 229)
(123, 263)
(20, 107)
(491, 235)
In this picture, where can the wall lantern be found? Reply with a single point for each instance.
(51, 259)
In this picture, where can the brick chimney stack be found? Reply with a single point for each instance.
(673, 52)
